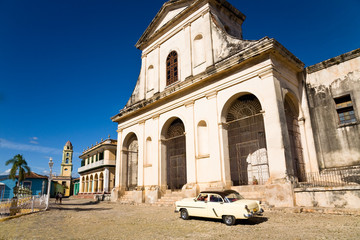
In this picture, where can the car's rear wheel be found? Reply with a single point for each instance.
(184, 214)
(229, 220)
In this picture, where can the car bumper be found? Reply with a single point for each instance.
(253, 214)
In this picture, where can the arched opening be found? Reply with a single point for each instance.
(150, 78)
(297, 160)
(131, 158)
(175, 153)
(148, 151)
(203, 138)
(87, 184)
(199, 50)
(246, 140)
(171, 68)
(101, 182)
(96, 182)
(91, 184)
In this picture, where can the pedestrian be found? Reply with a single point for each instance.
(56, 197)
(60, 197)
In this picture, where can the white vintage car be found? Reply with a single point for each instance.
(228, 205)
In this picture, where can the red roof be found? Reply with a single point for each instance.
(34, 175)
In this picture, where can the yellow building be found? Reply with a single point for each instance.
(66, 169)
(97, 171)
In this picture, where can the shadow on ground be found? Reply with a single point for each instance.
(72, 206)
(252, 221)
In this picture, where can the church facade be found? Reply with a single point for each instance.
(211, 110)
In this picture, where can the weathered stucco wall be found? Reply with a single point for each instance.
(338, 145)
(341, 197)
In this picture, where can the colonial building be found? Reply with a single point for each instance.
(97, 171)
(64, 179)
(211, 110)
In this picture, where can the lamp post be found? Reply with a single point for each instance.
(51, 164)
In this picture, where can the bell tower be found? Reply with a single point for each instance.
(66, 164)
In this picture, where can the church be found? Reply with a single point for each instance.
(63, 181)
(212, 111)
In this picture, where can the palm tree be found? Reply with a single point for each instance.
(19, 165)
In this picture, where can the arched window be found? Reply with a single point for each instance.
(150, 78)
(67, 160)
(171, 68)
(148, 151)
(199, 51)
(203, 139)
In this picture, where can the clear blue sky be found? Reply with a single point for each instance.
(67, 66)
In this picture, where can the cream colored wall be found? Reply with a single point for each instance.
(208, 104)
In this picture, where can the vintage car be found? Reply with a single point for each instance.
(228, 205)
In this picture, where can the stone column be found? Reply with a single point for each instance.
(277, 138)
(191, 171)
(106, 180)
(80, 185)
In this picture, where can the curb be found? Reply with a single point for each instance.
(17, 216)
(335, 211)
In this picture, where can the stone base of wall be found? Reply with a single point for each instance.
(334, 197)
(277, 195)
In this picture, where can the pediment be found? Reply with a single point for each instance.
(170, 14)
(168, 11)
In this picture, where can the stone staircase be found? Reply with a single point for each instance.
(169, 198)
(127, 198)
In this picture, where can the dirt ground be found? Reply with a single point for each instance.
(83, 219)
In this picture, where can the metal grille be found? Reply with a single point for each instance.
(295, 142)
(247, 145)
(176, 152)
(132, 164)
(332, 178)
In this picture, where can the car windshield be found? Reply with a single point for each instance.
(232, 197)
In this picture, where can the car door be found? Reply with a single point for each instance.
(199, 206)
(214, 206)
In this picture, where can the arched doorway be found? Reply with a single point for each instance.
(292, 115)
(91, 184)
(96, 182)
(175, 155)
(101, 182)
(131, 157)
(247, 144)
(87, 184)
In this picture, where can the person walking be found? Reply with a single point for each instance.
(57, 198)
(60, 197)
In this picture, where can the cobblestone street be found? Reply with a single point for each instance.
(83, 219)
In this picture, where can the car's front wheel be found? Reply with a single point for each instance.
(229, 220)
(184, 214)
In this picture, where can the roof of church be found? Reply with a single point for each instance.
(68, 143)
(172, 4)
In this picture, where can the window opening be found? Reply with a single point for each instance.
(345, 110)
(171, 68)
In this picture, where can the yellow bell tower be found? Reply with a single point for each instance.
(66, 164)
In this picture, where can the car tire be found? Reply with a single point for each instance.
(184, 214)
(229, 220)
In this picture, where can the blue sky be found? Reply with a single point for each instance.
(67, 66)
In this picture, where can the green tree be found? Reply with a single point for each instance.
(19, 165)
